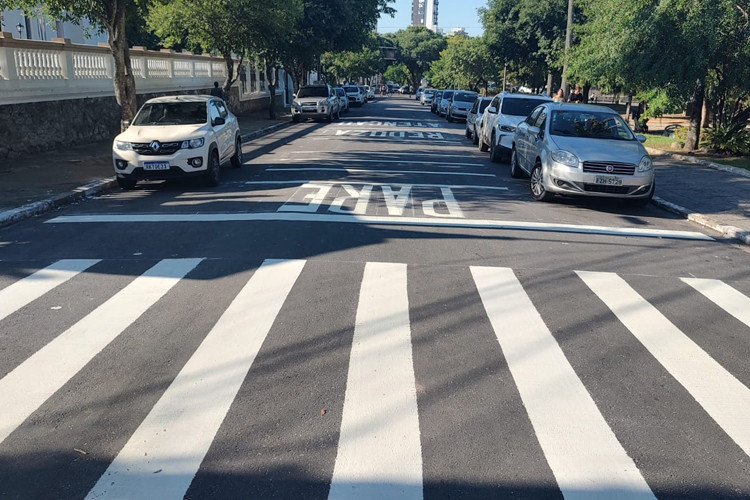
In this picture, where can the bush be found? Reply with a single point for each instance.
(731, 138)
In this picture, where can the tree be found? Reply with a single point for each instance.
(397, 73)
(329, 26)
(418, 48)
(229, 27)
(465, 63)
(109, 15)
(527, 35)
(671, 45)
(349, 65)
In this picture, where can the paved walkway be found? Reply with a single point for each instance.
(712, 195)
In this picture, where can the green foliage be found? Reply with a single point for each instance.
(732, 138)
(418, 47)
(528, 35)
(464, 64)
(351, 66)
(397, 73)
(660, 102)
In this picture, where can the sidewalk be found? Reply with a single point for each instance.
(715, 196)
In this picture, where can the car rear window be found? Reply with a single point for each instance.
(465, 96)
(520, 107)
(313, 92)
(172, 113)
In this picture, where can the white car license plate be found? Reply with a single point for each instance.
(156, 165)
(608, 180)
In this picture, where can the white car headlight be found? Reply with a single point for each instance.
(510, 128)
(565, 157)
(193, 143)
(123, 146)
(322, 102)
(645, 165)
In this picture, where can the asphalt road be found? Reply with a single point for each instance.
(370, 309)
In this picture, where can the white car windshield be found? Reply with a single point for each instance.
(172, 113)
(465, 97)
(352, 90)
(574, 123)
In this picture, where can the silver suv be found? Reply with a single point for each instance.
(177, 136)
(500, 120)
(315, 101)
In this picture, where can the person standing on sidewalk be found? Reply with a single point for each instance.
(217, 91)
(576, 95)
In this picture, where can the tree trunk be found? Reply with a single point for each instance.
(124, 80)
(586, 92)
(229, 80)
(696, 110)
(549, 84)
(272, 75)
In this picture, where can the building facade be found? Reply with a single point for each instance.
(39, 28)
(425, 13)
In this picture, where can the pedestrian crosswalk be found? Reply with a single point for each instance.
(386, 422)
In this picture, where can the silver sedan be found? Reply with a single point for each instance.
(580, 149)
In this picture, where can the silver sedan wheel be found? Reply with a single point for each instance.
(536, 183)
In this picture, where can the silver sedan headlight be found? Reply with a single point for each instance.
(645, 165)
(565, 157)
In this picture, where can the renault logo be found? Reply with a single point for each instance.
(155, 146)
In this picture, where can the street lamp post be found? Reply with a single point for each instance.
(568, 34)
(19, 27)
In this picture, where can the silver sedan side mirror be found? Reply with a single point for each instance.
(641, 138)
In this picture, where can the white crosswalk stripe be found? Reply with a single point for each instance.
(176, 435)
(724, 397)
(723, 296)
(22, 292)
(379, 450)
(587, 459)
(29, 385)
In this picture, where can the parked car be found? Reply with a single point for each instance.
(343, 99)
(354, 94)
(475, 116)
(363, 91)
(418, 93)
(427, 95)
(444, 102)
(369, 93)
(500, 119)
(177, 136)
(584, 150)
(436, 101)
(317, 102)
(460, 105)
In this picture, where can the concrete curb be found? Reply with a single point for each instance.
(690, 159)
(95, 188)
(38, 207)
(726, 231)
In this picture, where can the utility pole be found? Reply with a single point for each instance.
(568, 34)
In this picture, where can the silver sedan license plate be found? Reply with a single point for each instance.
(156, 165)
(609, 180)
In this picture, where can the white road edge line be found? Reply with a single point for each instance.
(359, 183)
(720, 394)
(362, 170)
(31, 383)
(724, 296)
(384, 220)
(177, 433)
(584, 454)
(379, 453)
(30, 288)
(358, 160)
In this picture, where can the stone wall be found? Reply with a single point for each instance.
(29, 128)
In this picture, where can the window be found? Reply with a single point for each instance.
(214, 110)
(515, 106)
(172, 113)
(313, 92)
(542, 118)
(533, 116)
(222, 109)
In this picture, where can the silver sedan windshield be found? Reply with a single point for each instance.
(574, 123)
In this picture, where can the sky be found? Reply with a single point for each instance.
(451, 14)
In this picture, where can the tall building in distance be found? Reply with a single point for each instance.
(425, 13)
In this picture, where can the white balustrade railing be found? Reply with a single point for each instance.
(32, 70)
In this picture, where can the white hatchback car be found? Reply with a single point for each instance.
(177, 136)
(500, 120)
